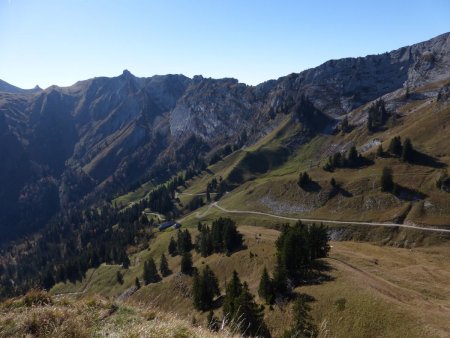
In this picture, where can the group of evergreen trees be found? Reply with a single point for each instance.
(304, 180)
(151, 274)
(240, 311)
(217, 186)
(221, 237)
(205, 288)
(339, 160)
(378, 115)
(182, 246)
(72, 243)
(406, 151)
(297, 247)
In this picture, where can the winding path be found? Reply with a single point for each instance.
(416, 227)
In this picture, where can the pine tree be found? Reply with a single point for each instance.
(150, 273)
(395, 146)
(387, 182)
(304, 180)
(184, 241)
(333, 182)
(280, 279)
(119, 277)
(137, 283)
(249, 315)
(186, 263)
(302, 323)
(352, 157)
(205, 288)
(234, 288)
(407, 151)
(172, 247)
(265, 289)
(204, 242)
(164, 266)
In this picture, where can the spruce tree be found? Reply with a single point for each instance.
(352, 157)
(119, 277)
(395, 146)
(302, 324)
(280, 279)
(205, 289)
(407, 151)
(304, 180)
(234, 288)
(172, 247)
(137, 283)
(164, 266)
(186, 263)
(250, 315)
(150, 272)
(265, 289)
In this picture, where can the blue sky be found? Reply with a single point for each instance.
(49, 42)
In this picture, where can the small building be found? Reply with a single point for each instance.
(168, 224)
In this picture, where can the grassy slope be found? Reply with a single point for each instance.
(276, 191)
(92, 317)
(388, 292)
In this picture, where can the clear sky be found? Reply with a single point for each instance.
(49, 42)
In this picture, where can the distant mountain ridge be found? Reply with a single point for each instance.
(101, 135)
(5, 87)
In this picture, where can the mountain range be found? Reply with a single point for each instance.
(73, 146)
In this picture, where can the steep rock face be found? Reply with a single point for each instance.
(215, 110)
(106, 133)
(339, 86)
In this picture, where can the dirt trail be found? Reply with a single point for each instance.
(216, 205)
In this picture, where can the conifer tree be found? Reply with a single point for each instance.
(119, 277)
(150, 273)
(204, 242)
(407, 151)
(265, 289)
(302, 323)
(395, 146)
(205, 288)
(304, 180)
(249, 315)
(280, 279)
(186, 263)
(137, 283)
(352, 157)
(172, 247)
(164, 266)
(234, 288)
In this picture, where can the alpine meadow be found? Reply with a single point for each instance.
(316, 204)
